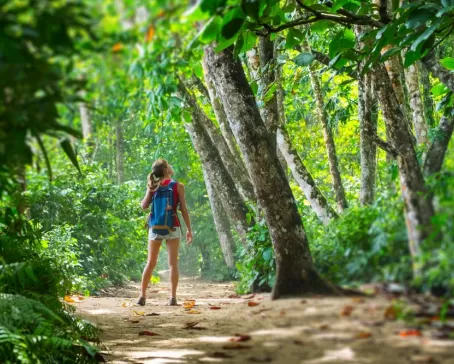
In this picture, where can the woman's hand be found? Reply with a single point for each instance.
(189, 237)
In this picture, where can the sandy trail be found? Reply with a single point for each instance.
(311, 330)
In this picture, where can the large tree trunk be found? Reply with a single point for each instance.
(329, 140)
(368, 148)
(236, 170)
(221, 222)
(416, 104)
(217, 172)
(304, 179)
(119, 144)
(418, 202)
(295, 273)
(269, 110)
(436, 153)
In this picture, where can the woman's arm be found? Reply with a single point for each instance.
(147, 199)
(184, 212)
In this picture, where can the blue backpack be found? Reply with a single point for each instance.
(161, 215)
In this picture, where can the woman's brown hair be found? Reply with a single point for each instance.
(158, 172)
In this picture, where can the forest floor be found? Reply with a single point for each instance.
(225, 328)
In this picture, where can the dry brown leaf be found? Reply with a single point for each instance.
(422, 359)
(153, 314)
(324, 327)
(80, 298)
(303, 301)
(215, 308)
(234, 295)
(358, 300)
(347, 310)
(134, 321)
(364, 335)
(189, 325)
(138, 313)
(240, 338)
(390, 313)
(236, 347)
(252, 303)
(410, 332)
(147, 333)
(220, 354)
(298, 342)
(193, 312)
(248, 297)
(188, 305)
(265, 359)
(155, 291)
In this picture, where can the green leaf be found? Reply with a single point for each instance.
(321, 26)
(210, 30)
(232, 23)
(212, 5)
(419, 42)
(268, 254)
(304, 59)
(226, 43)
(418, 18)
(294, 37)
(68, 149)
(251, 8)
(345, 39)
(390, 52)
(447, 3)
(448, 63)
(250, 39)
(439, 89)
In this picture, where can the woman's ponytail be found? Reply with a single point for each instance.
(158, 171)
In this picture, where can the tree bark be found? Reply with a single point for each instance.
(418, 202)
(221, 222)
(368, 148)
(295, 272)
(427, 94)
(304, 179)
(119, 146)
(436, 153)
(329, 140)
(416, 104)
(87, 130)
(233, 166)
(217, 172)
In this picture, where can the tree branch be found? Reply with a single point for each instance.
(388, 148)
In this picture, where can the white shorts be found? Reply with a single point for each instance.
(176, 234)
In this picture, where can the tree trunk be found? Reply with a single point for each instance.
(418, 203)
(235, 169)
(280, 99)
(329, 140)
(221, 222)
(427, 94)
(416, 104)
(269, 110)
(436, 153)
(87, 130)
(368, 148)
(119, 144)
(217, 172)
(295, 272)
(433, 65)
(304, 179)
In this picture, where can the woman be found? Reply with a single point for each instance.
(161, 175)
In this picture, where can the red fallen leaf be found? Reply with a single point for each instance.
(252, 303)
(236, 347)
(240, 338)
(147, 333)
(410, 332)
(364, 335)
(234, 295)
(220, 354)
(249, 296)
(215, 308)
(347, 310)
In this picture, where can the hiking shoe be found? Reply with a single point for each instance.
(172, 302)
(141, 301)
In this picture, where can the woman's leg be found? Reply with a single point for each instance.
(172, 250)
(153, 252)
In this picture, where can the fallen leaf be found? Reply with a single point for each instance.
(252, 303)
(153, 314)
(364, 335)
(410, 332)
(236, 347)
(303, 301)
(125, 304)
(188, 305)
(134, 321)
(147, 333)
(265, 359)
(390, 313)
(68, 299)
(234, 295)
(189, 325)
(138, 313)
(155, 291)
(282, 313)
(192, 312)
(347, 310)
(80, 298)
(298, 342)
(324, 327)
(373, 323)
(422, 359)
(220, 354)
(240, 338)
(215, 308)
(358, 300)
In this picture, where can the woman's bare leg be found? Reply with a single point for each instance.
(153, 252)
(172, 250)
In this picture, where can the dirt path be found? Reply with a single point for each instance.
(313, 330)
